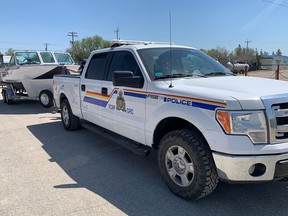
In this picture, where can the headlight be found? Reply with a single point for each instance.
(250, 123)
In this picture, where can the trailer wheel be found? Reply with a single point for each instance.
(46, 98)
(69, 121)
(6, 98)
(186, 164)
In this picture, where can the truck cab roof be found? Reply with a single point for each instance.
(131, 44)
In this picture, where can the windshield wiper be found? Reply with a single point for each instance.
(178, 76)
(217, 73)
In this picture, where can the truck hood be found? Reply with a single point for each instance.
(248, 91)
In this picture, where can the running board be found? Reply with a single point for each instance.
(131, 145)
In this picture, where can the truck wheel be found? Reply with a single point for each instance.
(186, 164)
(46, 98)
(6, 98)
(69, 121)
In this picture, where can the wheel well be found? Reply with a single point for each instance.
(62, 97)
(46, 90)
(170, 124)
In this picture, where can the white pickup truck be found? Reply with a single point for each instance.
(206, 123)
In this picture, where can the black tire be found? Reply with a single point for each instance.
(5, 98)
(187, 165)
(69, 121)
(46, 98)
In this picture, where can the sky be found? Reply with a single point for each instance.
(204, 24)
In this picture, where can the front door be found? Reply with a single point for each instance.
(124, 111)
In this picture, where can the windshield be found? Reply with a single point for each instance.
(64, 58)
(180, 62)
(27, 58)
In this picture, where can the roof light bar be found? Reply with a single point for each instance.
(132, 42)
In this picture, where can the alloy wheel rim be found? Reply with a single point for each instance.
(179, 166)
(44, 99)
(65, 115)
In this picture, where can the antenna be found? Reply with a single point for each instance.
(170, 51)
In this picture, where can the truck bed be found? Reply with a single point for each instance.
(67, 83)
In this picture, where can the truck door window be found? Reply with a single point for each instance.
(123, 61)
(96, 67)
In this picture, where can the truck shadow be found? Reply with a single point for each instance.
(24, 107)
(133, 184)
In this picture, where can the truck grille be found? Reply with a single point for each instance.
(281, 117)
(277, 114)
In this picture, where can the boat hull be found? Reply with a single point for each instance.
(32, 79)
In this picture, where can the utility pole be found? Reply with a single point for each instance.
(46, 46)
(247, 42)
(72, 35)
(117, 31)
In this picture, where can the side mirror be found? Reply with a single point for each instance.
(126, 78)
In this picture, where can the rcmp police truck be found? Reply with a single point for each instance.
(206, 124)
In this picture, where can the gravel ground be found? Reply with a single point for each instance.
(283, 75)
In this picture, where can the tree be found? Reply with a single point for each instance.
(258, 60)
(278, 52)
(241, 54)
(238, 51)
(9, 52)
(261, 53)
(203, 50)
(219, 53)
(81, 49)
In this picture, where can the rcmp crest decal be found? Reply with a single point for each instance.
(120, 101)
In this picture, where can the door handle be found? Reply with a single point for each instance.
(83, 88)
(104, 91)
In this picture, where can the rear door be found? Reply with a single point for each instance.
(91, 85)
(124, 110)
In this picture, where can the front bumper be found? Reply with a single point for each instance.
(251, 168)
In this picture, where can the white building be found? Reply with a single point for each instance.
(271, 62)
